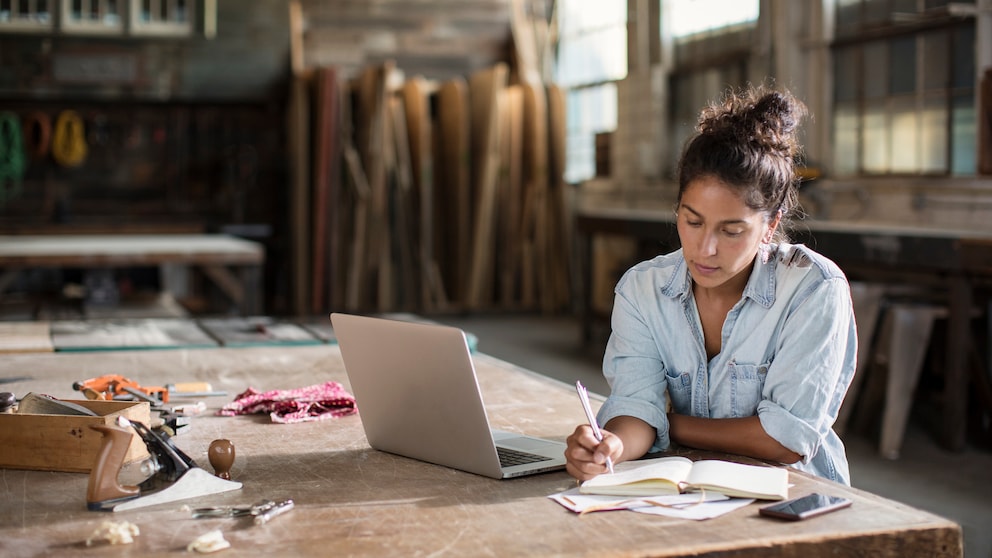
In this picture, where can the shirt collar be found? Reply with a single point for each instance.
(760, 285)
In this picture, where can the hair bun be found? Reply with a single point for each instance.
(767, 119)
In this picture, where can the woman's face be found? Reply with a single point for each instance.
(720, 235)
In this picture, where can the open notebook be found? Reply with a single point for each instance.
(418, 396)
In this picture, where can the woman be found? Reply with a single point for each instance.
(737, 342)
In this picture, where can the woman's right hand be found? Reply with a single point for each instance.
(585, 457)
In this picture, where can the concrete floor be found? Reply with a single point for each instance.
(957, 486)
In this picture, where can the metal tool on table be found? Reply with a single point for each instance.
(111, 386)
(261, 512)
(115, 386)
(173, 474)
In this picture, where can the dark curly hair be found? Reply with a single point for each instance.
(748, 141)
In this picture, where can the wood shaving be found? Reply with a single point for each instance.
(206, 543)
(114, 532)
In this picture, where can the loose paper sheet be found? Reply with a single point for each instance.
(694, 505)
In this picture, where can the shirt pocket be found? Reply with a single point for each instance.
(747, 382)
(679, 391)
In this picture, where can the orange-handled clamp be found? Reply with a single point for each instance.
(107, 386)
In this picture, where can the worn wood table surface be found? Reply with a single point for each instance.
(353, 501)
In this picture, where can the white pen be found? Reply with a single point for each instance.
(584, 398)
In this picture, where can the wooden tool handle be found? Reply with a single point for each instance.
(103, 486)
(221, 456)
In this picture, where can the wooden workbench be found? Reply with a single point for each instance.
(355, 501)
(233, 264)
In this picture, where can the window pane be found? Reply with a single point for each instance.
(875, 71)
(689, 18)
(904, 153)
(590, 110)
(875, 153)
(593, 57)
(576, 16)
(846, 74)
(933, 135)
(876, 12)
(935, 66)
(845, 139)
(848, 16)
(963, 135)
(963, 39)
(902, 65)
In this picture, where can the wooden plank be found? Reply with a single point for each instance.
(25, 337)
(511, 238)
(256, 331)
(535, 139)
(456, 195)
(296, 38)
(560, 206)
(484, 88)
(325, 182)
(402, 287)
(371, 138)
(416, 95)
(299, 150)
(363, 197)
(128, 334)
(525, 52)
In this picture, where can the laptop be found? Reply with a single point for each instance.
(418, 396)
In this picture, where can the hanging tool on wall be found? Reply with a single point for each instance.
(12, 158)
(69, 139)
(173, 475)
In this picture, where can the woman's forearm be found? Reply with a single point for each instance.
(637, 435)
(742, 436)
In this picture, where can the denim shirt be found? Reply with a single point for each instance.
(788, 352)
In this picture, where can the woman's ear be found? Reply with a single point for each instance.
(772, 227)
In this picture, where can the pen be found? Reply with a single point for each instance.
(584, 398)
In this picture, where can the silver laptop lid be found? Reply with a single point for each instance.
(417, 392)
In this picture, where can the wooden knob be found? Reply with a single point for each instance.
(7, 402)
(221, 456)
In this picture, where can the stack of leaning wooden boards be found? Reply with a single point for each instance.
(435, 195)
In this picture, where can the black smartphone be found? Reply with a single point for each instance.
(805, 506)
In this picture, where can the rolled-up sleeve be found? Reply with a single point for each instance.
(813, 366)
(634, 369)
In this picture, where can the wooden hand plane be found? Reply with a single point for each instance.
(174, 475)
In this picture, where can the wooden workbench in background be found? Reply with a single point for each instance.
(355, 501)
(233, 264)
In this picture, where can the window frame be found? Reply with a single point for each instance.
(854, 47)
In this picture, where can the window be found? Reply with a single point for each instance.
(169, 18)
(712, 42)
(904, 79)
(162, 17)
(592, 55)
(25, 15)
(92, 16)
(693, 17)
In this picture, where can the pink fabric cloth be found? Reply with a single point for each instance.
(287, 406)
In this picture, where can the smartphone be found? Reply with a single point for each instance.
(805, 506)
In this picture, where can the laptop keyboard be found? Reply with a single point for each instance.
(509, 457)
